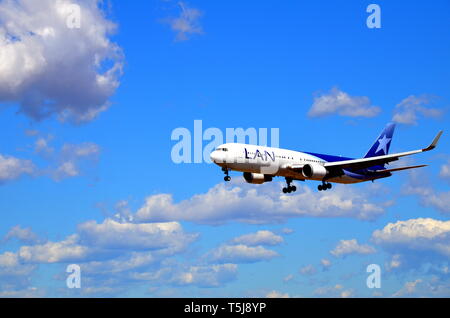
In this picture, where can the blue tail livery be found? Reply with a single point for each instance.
(382, 143)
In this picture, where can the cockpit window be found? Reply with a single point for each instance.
(222, 149)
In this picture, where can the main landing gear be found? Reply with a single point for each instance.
(324, 186)
(289, 188)
(227, 177)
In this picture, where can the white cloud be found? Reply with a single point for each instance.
(408, 289)
(71, 157)
(263, 237)
(410, 108)
(123, 263)
(68, 250)
(258, 205)
(339, 102)
(29, 292)
(326, 263)
(429, 197)
(308, 270)
(10, 265)
(288, 278)
(51, 69)
(444, 173)
(277, 294)
(240, 254)
(42, 146)
(334, 291)
(346, 247)
(394, 263)
(68, 161)
(25, 235)
(419, 235)
(128, 236)
(187, 23)
(206, 275)
(419, 185)
(107, 240)
(12, 168)
(14, 275)
(433, 286)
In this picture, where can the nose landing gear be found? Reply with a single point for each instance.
(227, 177)
(289, 188)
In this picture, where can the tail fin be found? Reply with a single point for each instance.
(382, 143)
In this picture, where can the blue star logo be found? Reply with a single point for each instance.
(383, 144)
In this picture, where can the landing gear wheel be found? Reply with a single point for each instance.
(227, 177)
(289, 188)
(324, 186)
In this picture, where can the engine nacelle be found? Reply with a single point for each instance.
(314, 171)
(257, 178)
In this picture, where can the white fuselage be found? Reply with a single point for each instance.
(271, 161)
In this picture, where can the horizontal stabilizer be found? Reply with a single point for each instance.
(402, 168)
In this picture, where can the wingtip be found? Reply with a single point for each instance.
(435, 141)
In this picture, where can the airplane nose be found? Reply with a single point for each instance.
(215, 156)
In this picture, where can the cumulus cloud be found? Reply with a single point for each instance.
(258, 205)
(241, 254)
(48, 67)
(415, 235)
(341, 103)
(128, 236)
(347, 247)
(410, 108)
(263, 237)
(14, 275)
(70, 160)
(12, 168)
(113, 255)
(24, 235)
(187, 23)
(109, 239)
(67, 250)
(418, 185)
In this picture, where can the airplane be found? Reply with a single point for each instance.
(261, 164)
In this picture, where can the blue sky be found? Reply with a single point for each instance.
(87, 178)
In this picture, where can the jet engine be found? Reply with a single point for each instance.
(314, 171)
(257, 178)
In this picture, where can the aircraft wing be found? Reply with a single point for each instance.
(364, 163)
(401, 168)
